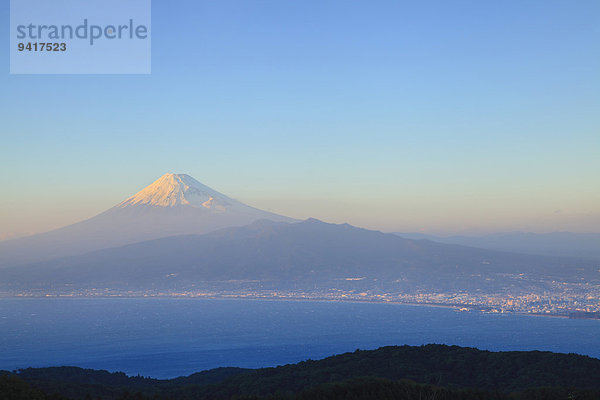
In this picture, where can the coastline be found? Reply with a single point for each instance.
(469, 308)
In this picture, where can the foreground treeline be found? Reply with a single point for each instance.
(398, 372)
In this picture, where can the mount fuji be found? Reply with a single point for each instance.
(174, 204)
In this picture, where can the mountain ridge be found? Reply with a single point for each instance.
(563, 244)
(307, 251)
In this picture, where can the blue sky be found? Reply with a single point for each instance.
(440, 116)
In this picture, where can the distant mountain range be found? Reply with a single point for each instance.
(174, 204)
(564, 244)
(179, 234)
(309, 251)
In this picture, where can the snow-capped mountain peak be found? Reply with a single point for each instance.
(175, 204)
(172, 190)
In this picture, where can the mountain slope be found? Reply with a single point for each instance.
(309, 251)
(172, 205)
(563, 244)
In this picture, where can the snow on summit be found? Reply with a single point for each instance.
(171, 190)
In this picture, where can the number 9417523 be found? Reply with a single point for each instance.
(39, 46)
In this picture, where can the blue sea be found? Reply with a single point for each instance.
(165, 337)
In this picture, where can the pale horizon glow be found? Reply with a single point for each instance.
(443, 216)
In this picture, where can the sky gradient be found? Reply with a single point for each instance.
(442, 117)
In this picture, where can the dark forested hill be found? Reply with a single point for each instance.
(395, 372)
